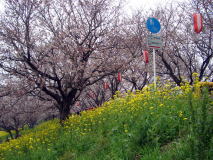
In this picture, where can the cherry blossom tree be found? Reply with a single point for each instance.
(18, 109)
(61, 47)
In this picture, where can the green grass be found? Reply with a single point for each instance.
(146, 125)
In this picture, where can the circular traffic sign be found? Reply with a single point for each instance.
(153, 25)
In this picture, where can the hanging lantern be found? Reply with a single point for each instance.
(119, 76)
(198, 23)
(78, 104)
(106, 85)
(146, 56)
(91, 94)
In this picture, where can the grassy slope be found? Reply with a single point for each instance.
(146, 125)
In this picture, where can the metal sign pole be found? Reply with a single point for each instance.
(153, 25)
(154, 68)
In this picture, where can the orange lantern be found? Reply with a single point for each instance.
(198, 22)
(146, 56)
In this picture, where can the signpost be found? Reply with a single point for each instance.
(154, 42)
(153, 25)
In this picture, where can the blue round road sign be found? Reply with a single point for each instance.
(153, 25)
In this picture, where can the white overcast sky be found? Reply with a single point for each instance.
(148, 4)
(134, 4)
(1, 6)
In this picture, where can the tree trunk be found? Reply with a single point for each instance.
(65, 104)
(11, 134)
(17, 133)
(64, 112)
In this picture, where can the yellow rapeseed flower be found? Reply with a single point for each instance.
(180, 113)
(161, 105)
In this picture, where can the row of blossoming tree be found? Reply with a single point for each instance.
(62, 56)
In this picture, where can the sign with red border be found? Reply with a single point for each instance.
(154, 41)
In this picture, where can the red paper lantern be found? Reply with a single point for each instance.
(106, 85)
(91, 94)
(77, 103)
(146, 56)
(198, 22)
(119, 76)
